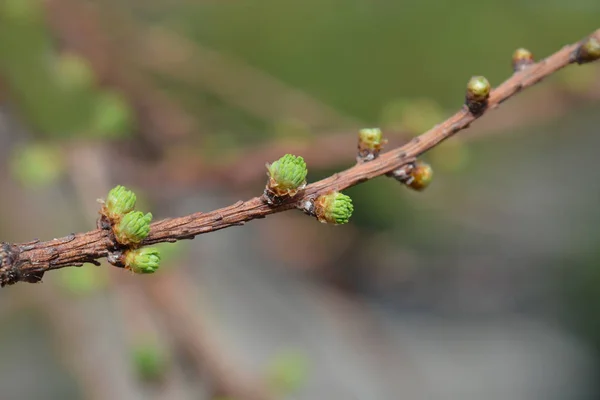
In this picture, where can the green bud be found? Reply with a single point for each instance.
(82, 281)
(286, 176)
(478, 92)
(119, 202)
(588, 51)
(371, 138)
(521, 59)
(333, 208)
(143, 261)
(133, 227)
(370, 143)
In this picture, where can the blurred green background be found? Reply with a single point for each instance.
(484, 286)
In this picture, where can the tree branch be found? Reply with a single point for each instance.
(28, 262)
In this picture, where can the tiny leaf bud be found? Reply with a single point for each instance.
(119, 202)
(478, 92)
(145, 260)
(133, 227)
(418, 177)
(370, 143)
(287, 176)
(333, 208)
(588, 51)
(522, 58)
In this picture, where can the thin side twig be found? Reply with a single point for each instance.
(29, 261)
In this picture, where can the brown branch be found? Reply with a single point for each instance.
(28, 262)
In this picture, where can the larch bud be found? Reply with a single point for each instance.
(588, 51)
(119, 202)
(370, 143)
(145, 260)
(421, 176)
(522, 58)
(133, 227)
(478, 92)
(333, 208)
(287, 176)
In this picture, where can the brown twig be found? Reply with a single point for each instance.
(28, 261)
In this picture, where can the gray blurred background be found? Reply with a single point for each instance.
(485, 286)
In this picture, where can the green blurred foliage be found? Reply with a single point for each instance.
(577, 80)
(37, 164)
(74, 73)
(55, 93)
(287, 372)
(112, 117)
(451, 155)
(84, 281)
(149, 359)
(412, 115)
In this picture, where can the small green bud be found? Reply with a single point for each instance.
(521, 59)
(119, 202)
(333, 208)
(478, 92)
(143, 261)
(588, 51)
(287, 176)
(370, 143)
(133, 227)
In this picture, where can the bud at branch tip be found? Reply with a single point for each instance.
(588, 50)
(119, 202)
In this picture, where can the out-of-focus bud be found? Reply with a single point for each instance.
(522, 58)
